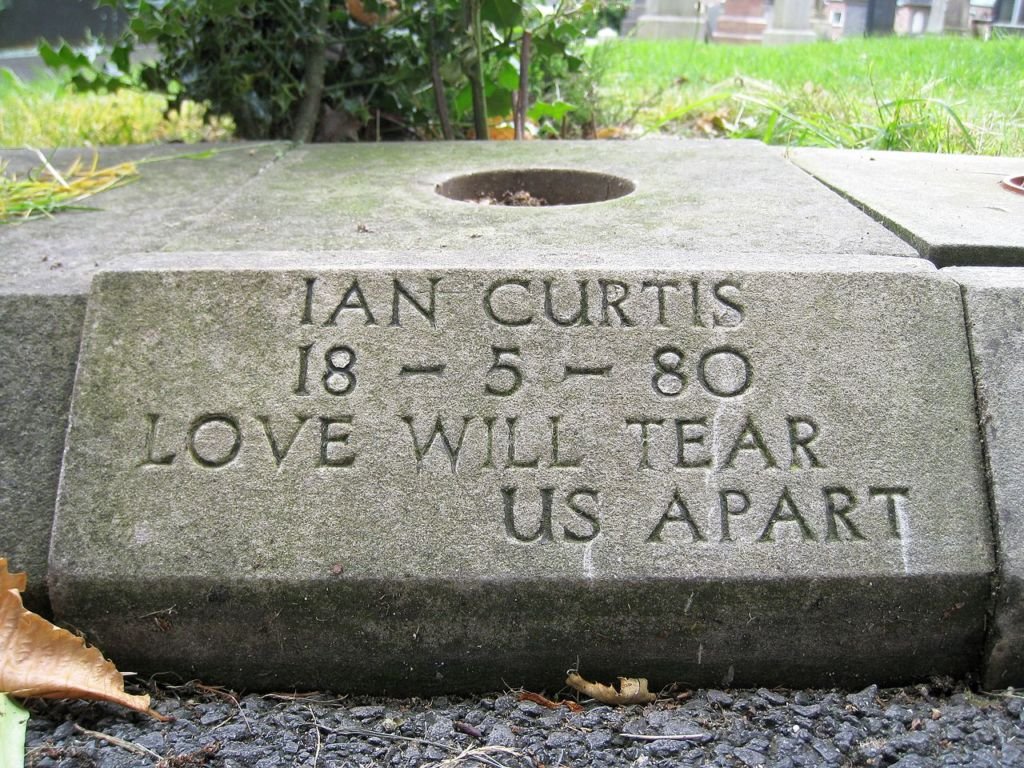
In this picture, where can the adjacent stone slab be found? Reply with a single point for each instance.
(994, 300)
(952, 208)
(395, 478)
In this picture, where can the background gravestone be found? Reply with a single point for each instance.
(347, 471)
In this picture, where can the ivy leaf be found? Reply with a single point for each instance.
(555, 111)
(504, 14)
(508, 76)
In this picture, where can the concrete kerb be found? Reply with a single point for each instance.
(358, 225)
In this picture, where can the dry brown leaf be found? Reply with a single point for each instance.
(544, 701)
(632, 690)
(45, 661)
(9, 580)
(358, 11)
(538, 698)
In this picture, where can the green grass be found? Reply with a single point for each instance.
(936, 94)
(47, 113)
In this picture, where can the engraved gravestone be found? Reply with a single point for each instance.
(405, 479)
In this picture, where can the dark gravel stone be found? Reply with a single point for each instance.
(771, 696)
(866, 700)
(719, 698)
(366, 713)
(807, 710)
(501, 736)
(749, 757)
(736, 729)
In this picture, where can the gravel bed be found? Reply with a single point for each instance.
(936, 725)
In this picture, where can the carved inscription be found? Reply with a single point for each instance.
(543, 466)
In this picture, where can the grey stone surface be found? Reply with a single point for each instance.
(952, 208)
(994, 306)
(45, 269)
(379, 200)
(60, 255)
(40, 337)
(668, 19)
(271, 481)
(692, 197)
(791, 23)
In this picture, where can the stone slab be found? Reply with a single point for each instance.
(692, 197)
(952, 208)
(425, 477)
(40, 340)
(373, 198)
(45, 270)
(176, 187)
(994, 306)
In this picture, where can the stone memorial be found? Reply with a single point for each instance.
(663, 19)
(440, 477)
(343, 420)
(371, 198)
(791, 23)
(741, 21)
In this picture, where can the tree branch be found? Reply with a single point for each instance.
(313, 79)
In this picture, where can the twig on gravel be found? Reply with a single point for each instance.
(135, 748)
(482, 755)
(306, 697)
(669, 736)
(316, 730)
(381, 735)
(479, 754)
(216, 690)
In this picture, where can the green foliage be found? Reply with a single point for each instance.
(47, 112)
(933, 94)
(411, 73)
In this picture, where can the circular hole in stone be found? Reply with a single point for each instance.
(533, 187)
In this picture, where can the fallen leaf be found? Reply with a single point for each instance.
(45, 661)
(9, 580)
(537, 698)
(632, 690)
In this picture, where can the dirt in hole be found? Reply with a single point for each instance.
(518, 198)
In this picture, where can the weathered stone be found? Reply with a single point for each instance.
(40, 346)
(379, 200)
(667, 19)
(45, 269)
(994, 306)
(740, 21)
(399, 478)
(791, 23)
(952, 208)
(692, 197)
